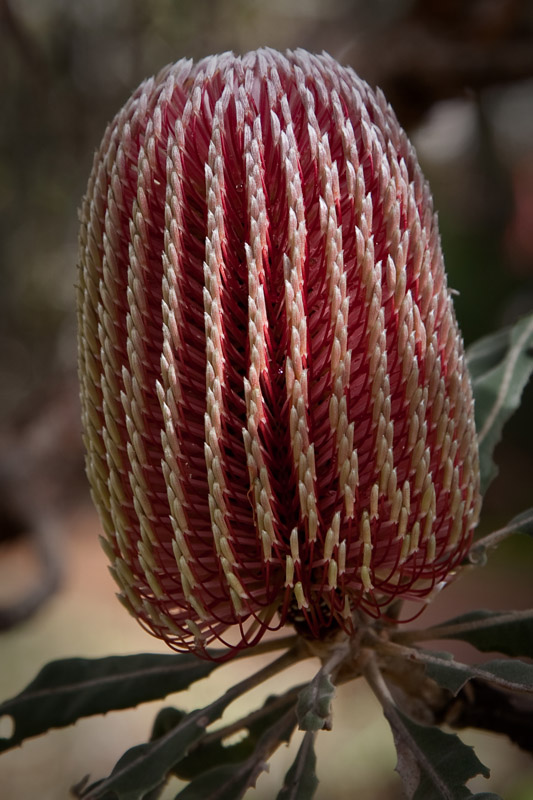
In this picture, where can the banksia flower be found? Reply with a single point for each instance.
(277, 412)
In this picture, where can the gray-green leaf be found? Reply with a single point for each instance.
(314, 703)
(214, 752)
(433, 765)
(145, 766)
(508, 632)
(500, 365)
(513, 675)
(301, 781)
(230, 781)
(67, 690)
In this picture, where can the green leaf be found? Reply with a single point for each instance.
(230, 781)
(301, 781)
(314, 704)
(167, 719)
(144, 767)
(67, 690)
(500, 365)
(508, 632)
(433, 765)
(513, 675)
(214, 752)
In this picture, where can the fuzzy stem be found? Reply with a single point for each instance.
(266, 646)
(493, 539)
(292, 656)
(376, 681)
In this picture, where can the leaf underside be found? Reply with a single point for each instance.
(500, 366)
(512, 675)
(314, 703)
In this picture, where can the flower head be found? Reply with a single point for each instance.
(277, 412)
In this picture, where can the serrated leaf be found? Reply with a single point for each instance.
(513, 675)
(214, 753)
(230, 781)
(433, 765)
(314, 704)
(508, 632)
(500, 365)
(145, 766)
(66, 690)
(301, 781)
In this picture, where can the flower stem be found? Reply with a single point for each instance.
(267, 646)
(287, 659)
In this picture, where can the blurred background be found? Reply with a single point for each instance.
(459, 74)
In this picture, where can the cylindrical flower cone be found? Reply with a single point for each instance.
(277, 412)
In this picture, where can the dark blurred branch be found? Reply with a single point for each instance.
(43, 541)
(439, 49)
(419, 68)
(41, 475)
(31, 55)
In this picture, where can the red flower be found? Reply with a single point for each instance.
(277, 412)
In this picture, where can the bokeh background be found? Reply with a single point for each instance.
(460, 75)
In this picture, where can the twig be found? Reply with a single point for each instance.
(292, 656)
(265, 646)
(493, 539)
(29, 51)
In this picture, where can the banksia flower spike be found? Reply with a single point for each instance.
(277, 412)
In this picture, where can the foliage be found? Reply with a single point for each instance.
(432, 764)
(500, 366)
(67, 690)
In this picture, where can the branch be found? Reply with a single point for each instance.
(27, 47)
(43, 541)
